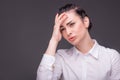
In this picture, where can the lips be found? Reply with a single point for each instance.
(71, 38)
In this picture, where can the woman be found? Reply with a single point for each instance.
(86, 60)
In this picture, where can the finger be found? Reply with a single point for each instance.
(56, 17)
(59, 19)
(63, 19)
(61, 15)
(60, 22)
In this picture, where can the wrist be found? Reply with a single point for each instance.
(53, 41)
(51, 50)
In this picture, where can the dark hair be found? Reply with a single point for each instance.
(81, 12)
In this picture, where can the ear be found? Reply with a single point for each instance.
(86, 22)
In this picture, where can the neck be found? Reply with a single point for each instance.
(85, 45)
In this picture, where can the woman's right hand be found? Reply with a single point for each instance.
(56, 36)
(59, 19)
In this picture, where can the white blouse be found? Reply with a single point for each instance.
(99, 63)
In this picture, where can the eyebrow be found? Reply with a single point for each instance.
(69, 22)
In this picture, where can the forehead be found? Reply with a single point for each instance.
(71, 16)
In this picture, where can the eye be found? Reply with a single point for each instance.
(71, 24)
(62, 28)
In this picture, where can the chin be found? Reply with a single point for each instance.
(74, 43)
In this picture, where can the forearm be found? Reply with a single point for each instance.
(44, 74)
(51, 50)
(45, 69)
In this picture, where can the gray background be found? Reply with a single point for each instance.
(26, 27)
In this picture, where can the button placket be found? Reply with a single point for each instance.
(84, 68)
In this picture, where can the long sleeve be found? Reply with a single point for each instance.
(49, 68)
(45, 69)
(115, 72)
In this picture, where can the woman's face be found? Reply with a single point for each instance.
(74, 28)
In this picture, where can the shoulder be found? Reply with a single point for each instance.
(110, 52)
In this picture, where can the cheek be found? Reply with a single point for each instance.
(64, 35)
(81, 25)
(79, 29)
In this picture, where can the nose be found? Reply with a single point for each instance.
(68, 31)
